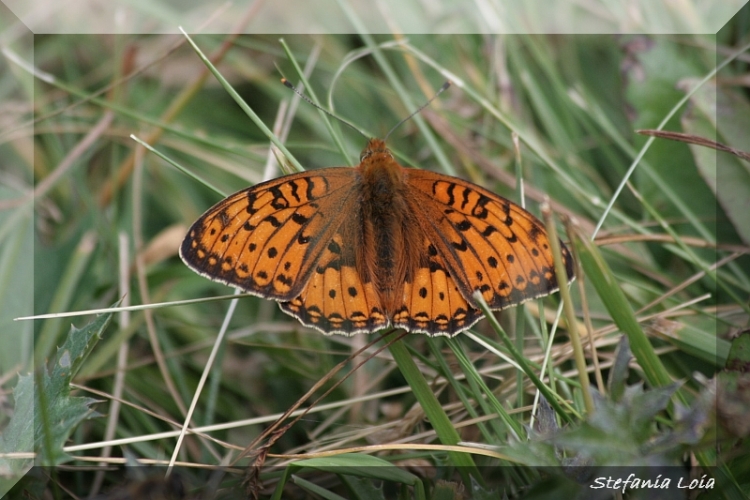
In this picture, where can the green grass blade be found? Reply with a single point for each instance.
(608, 289)
(482, 391)
(519, 358)
(247, 109)
(437, 417)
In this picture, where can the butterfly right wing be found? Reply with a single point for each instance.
(491, 244)
(268, 239)
(432, 300)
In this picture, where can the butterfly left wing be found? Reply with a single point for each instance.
(267, 239)
(488, 243)
(292, 239)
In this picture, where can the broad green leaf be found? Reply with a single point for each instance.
(361, 465)
(724, 116)
(653, 91)
(351, 467)
(316, 489)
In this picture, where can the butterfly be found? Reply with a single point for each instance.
(354, 250)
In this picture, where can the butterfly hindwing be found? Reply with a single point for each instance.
(433, 303)
(335, 299)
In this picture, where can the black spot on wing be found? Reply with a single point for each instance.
(299, 219)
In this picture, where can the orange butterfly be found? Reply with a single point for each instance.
(353, 250)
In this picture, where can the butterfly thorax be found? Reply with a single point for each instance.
(384, 219)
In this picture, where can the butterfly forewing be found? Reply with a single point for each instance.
(491, 244)
(266, 239)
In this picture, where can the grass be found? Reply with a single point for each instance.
(667, 269)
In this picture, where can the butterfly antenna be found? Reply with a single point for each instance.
(288, 84)
(440, 91)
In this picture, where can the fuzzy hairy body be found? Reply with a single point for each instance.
(384, 254)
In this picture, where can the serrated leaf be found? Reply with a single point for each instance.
(618, 375)
(690, 427)
(630, 423)
(645, 406)
(593, 440)
(531, 453)
(448, 490)
(45, 414)
(18, 436)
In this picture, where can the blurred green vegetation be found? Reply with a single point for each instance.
(674, 239)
